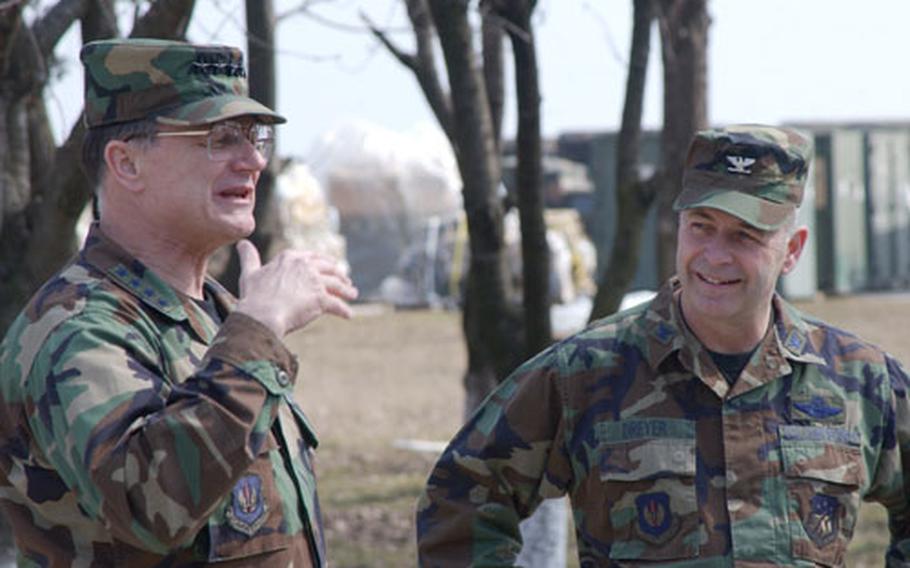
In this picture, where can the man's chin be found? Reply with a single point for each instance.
(243, 230)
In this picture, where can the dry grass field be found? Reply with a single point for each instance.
(390, 375)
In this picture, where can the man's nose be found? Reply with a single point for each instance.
(717, 250)
(247, 157)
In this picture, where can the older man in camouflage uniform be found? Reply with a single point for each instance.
(714, 426)
(147, 416)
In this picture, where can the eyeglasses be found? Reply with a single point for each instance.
(225, 139)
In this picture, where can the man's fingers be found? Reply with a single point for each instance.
(340, 287)
(328, 266)
(249, 256)
(337, 307)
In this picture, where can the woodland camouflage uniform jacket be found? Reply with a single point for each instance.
(666, 464)
(135, 432)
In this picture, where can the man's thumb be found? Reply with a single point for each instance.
(249, 256)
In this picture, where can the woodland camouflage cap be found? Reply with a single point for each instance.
(757, 173)
(177, 83)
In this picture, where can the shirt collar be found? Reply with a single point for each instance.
(786, 341)
(141, 282)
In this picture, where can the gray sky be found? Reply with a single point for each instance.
(770, 61)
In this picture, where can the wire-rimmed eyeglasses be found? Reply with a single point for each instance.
(225, 139)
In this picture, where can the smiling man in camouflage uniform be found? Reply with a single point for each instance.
(147, 416)
(714, 426)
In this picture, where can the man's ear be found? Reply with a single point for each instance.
(120, 157)
(795, 246)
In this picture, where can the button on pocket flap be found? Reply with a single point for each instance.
(823, 453)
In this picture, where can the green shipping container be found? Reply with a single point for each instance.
(841, 213)
(802, 282)
(887, 171)
(598, 151)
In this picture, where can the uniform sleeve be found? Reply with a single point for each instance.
(891, 482)
(507, 458)
(148, 458)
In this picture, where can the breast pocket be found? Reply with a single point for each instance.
(251, 518)
(649, 486)
(824, 471)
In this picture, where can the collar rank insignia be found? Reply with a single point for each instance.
(656, 522)
(664, 332)
(795, 342)
(248, 510)
(822, 524)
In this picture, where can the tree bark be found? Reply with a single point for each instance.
(490, 327)
(260, 25)
(535, 252)
(423, 63)
(491, 40)
(684, 43)
(44, 190)
(684, 39)
(634, 196)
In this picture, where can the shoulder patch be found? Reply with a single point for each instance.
(822, 523)
(656, 522)
(248, 509)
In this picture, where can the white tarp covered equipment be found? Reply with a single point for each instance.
(386, 187)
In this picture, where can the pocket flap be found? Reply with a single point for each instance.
(823, 453)
(638, 449)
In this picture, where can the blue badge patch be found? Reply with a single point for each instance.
(664, 333)
(656, 522)
(795, 342)
(248, 510)
(823, 521)
(818, 407)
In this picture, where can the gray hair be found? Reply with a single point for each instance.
(95, 141)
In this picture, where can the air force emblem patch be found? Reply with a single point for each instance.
(740, 165)
(656, 521)
(823, 521)
(248, 510)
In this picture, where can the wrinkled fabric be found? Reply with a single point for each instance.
(136, 432)
(667, 464)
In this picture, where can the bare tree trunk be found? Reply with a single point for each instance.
(535, 252)
(490, 328)
(423, 63)
(545, 533)
(491, 34)
(489, 324)
(43, 186)
(684, 40)
(260, 25)
(634, 196)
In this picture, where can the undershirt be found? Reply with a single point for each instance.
(207, 303)
(731, 364)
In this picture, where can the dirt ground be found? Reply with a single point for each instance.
(388, 376)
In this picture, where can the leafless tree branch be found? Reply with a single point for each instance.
(166, 19)
(50, 28)
(406, 59)
(306, 10)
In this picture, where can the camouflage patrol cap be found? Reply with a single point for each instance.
(757, 173)
(177, 83)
